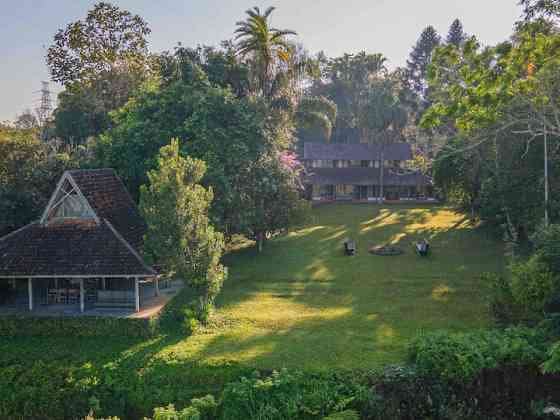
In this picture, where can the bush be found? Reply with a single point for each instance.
(200, 409)
(344, 415)
(502, 305)
(546, 240)
(529, 294)
(86, 326)
(461, 357)
(289, 395)
(533, 287)
(552, 364)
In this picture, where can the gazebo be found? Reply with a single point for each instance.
(83, 252)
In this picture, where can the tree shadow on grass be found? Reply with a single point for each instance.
(302, 302)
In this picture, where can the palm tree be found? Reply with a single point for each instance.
(316, 113)
(384, 117)
(266, 46)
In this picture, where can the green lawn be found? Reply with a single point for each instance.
(303, 304)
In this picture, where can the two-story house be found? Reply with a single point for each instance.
(356, 171)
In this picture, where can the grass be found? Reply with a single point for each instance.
(303, 304)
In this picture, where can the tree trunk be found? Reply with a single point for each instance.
(381, 174)
(260, 242)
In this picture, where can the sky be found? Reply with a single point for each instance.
(390, 27)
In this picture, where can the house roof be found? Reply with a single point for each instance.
(109, 199)
(364, 176)
(69, 248)
(106, 244)
(356, 151)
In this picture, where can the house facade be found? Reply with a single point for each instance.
(83, 253)
(356, 171)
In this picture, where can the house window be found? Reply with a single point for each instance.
(344, 190)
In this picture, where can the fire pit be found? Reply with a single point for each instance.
(385, 250)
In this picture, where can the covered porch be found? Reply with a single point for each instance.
(80, 295)
(371, 193)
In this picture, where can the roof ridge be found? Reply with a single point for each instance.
(130, 247)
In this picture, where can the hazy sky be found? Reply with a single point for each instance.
(387, 26)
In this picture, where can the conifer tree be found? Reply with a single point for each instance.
(420, 59)
(456, 35)
(180, 236)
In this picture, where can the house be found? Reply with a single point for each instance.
(356, 171)
(84, 252)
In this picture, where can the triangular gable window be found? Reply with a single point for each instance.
(69, 204)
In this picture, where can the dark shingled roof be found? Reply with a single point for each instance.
(72, 247)
(110, 200)
(364, 176)
(356, 151)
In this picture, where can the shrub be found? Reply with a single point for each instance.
(344, 415)
(546, 240)
(552, 364)
(533, 287)
(170, 413)
(86, 326)
(289, 395)
(461, 357)
(502, 305)
(527, 295)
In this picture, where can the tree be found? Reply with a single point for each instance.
(100, 61)
(316, 113)
(179, 235)
(540, 8)
(108, 39)
(456, 35)
(26, 121)
(506, 96)
(420, 59)
(266, 47)
(29, 169)
(343, 80)
(383, 117)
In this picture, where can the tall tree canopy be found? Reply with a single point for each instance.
(456, 35)
(100, 61)
(108, 39)
(420, 59)
(267, 48)
(540, 8)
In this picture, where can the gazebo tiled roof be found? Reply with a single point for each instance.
(105, 243)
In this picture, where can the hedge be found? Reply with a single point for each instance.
(78, 326)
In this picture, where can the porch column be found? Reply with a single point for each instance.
(30, 292)
(103, 283)
(157, 286)
(136, 295)
(82, 300)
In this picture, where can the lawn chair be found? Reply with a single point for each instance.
(349, 247)
(422, 248)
